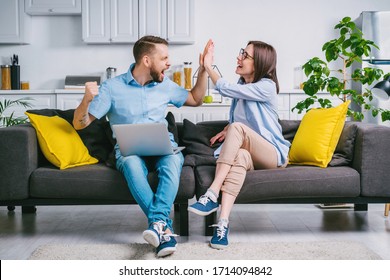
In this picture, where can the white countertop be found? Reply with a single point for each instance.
(78, 91)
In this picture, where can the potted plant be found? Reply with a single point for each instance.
(12, 119)
(348, 48)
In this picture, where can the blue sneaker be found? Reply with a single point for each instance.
(167, 245)
(204, 206)
(153, 234)
(219, 239)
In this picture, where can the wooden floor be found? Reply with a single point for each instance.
(21, 234)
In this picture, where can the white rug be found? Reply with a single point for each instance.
(322, 250)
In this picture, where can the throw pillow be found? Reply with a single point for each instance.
(172, 126)
(317, 136)
(343, 155)
(196, 137)
(60, 142)
(97, 137)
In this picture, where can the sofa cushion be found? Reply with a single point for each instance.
(59, 142)
(290, 182)
(318, 135)
(172, 126)
(97, 137)
(289, 128)
(196, 137)
(96, 182)
(343, 155)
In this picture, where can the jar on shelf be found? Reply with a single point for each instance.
(177, 74)
(5, 77)
(187, 75)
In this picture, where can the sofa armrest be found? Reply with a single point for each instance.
(19, 157)
(372, 159)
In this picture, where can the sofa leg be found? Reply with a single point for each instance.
(210, 220)
(11, 208)
(29, 209)
(361, 207)
(387, 209)
(183, 218)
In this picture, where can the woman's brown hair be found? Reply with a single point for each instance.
(265, 62)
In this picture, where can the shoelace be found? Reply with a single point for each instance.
(167, 237)
(159, 227)
(221, 230)
(203, 200)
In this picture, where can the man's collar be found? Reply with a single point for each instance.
(130, 78)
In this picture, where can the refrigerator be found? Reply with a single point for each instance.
(375, 26)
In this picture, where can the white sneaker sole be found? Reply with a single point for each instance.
(218, 246)
(166, 252)
(201, 213)
(151, 237)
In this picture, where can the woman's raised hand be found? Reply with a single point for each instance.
(208, 54)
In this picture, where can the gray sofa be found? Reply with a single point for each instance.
(359, 173)
(28, 180)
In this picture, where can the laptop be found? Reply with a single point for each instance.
(148, 139)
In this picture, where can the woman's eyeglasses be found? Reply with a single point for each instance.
(244, 54)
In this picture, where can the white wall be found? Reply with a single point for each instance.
(297, 29)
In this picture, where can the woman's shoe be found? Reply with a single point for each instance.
(204, 206)
(220, 237)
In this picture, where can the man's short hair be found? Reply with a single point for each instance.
(146, 45)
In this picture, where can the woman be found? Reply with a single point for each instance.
(252, 140)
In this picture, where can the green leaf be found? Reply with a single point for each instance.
(351, 25)
(346, 44)
(343, 31)
(385, 114)
(346, 19)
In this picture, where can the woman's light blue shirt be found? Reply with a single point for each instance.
(258, 103)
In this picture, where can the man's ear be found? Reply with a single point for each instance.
(146, 61)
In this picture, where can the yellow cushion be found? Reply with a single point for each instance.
(318, 135)
(59, 142)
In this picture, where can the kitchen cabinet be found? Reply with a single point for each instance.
(125, 21)
(15, 24)
(39, 100)
(172, 20)
(53, 7)
(110, 21)
(68, 101)
(180, 21)
(207, 112)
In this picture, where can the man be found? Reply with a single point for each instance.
(141, 96)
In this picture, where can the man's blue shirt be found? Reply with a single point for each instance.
(125, 101)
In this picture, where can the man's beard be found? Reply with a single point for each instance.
(156, 76)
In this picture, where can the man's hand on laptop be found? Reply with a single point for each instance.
(91, 90)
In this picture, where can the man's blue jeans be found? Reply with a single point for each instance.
(156, 206)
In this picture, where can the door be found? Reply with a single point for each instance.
(15, 25)
(53, 7)
(153, 18)
(124, 21)
(96, 21)
(180, 15)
